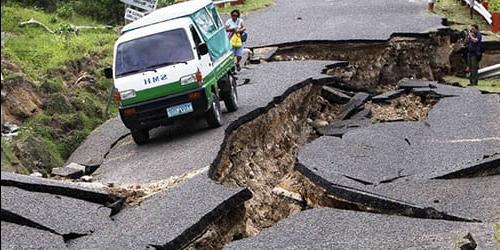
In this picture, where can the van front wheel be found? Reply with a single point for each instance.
(140, 136)
(231, 97)
(214, 114)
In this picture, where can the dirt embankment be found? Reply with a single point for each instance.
(44, 121)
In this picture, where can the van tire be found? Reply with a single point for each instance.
(140, 136)
(231, 97)
(214, 114)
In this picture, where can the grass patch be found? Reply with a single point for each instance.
(37, 51)
(490, 85)
(249, 5)
(459, 15)
(52, 61)
(10, 162)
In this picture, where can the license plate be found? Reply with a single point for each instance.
(180, 109)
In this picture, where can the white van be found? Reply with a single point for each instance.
(172, 64)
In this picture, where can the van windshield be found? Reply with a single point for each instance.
(150, 52)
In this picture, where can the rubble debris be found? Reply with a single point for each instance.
(334, 96)
(404, 108)
(87, 178)
(413, 84)
(9, 130)
(355, 102)
(262, 54)
(36, 174)
(72, 171)
(361, 114)
(339, 128)
(468, 243)
(318, 123)
(339, 64)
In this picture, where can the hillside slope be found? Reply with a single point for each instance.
(53, 88)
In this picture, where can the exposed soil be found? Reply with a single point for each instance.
(405, 108)
(376, 66)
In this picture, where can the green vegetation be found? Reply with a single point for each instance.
(490, 85)
(37, 51)
(494, 5)
(459, 15)
(51, 64)
(249, 5)
(497, 231)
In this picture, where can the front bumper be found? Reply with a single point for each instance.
(153, 113)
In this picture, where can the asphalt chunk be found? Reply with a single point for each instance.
(16, 236)
(62, 214)
(469, 198)
(94, 149)
(340, 229)
(170, 219)
(41, 185)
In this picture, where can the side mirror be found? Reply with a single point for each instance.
(202, 49)
(108, 73)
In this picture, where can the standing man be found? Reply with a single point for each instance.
(473, 44)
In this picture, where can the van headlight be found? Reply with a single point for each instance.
(185, 80)
(127, 94)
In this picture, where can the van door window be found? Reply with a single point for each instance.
(205, 23)
(154, 51)
(215, 16)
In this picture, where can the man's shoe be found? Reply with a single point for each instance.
(238, 67)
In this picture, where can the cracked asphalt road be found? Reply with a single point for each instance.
(180, 213)
(337, 20)
(191, 145)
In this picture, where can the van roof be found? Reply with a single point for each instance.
(167, 13)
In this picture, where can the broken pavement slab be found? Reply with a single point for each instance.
(388, 95)
(334, 96)
(95, 148)
(414, 83)
(468, 197)
(354, 103)
(343, 229)
(60, 213)
(339, 128)
(469, 118)
(172, 218)
(385, 151)
(458, 132)
(87, 193)
(22, 237)
(425, 87)
(262, 54)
